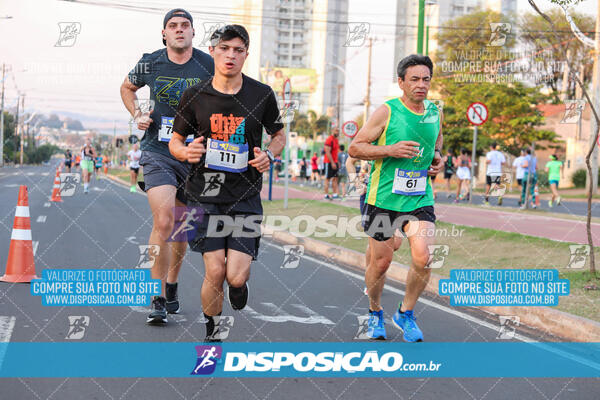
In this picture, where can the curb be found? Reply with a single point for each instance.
(556, 322)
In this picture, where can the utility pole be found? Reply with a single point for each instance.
(368, 93)
(2, 118)
(596, 98)
(22, 129)
(16, 133)
(339, 106)
(420, 26)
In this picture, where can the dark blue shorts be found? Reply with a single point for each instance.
(161, 170)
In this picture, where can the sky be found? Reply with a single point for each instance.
(85, 78)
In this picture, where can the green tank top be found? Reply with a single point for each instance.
(413, 187)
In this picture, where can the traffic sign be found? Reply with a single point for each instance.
(477, 113)
(286, 95)
(350, 128)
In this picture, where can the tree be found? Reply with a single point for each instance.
(552, 55)
(514, 120)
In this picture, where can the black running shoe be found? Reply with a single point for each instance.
(172, 304)
(158, 314)
(238, 297)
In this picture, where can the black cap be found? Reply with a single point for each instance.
(177, 12)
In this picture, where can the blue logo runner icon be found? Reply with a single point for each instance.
(207, 359)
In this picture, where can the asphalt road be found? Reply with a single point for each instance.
(317, 301)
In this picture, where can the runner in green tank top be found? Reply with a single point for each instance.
(403, 138)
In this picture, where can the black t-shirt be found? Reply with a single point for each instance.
(236, 122)
(167, 81)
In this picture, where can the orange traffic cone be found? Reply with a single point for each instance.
(56, 188)
(20, 266)
(537, 195)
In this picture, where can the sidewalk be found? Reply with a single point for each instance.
(553, 228)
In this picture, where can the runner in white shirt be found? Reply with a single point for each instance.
(134, 156)
(520, 172)
(495, 161)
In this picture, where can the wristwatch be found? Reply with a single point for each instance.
(439, 151)
(270, 155)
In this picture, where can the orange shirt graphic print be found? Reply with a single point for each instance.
(227, 128)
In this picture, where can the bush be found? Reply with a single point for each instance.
(542, 179)
(579, 177)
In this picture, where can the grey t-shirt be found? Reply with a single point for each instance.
(167, 81)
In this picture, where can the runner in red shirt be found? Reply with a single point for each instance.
(331, 164)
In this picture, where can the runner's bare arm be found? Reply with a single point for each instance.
(191, 153)
(129, 97)
(261, 160)
(437, 164)
(362, 148)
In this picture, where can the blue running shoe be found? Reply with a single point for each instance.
(406, 323)
(376, 328)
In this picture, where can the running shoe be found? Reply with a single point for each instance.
(406, 322)
(449, 195)
(172, 304)
(327, 197)
(550, 203)
(238, 297)
(376, 329)
(133, 189)
(558, 201)
(486, 203)
(533, 206)
(499, 201)
(335, 197)
(456, 201)
(366, 291)
(158, 313)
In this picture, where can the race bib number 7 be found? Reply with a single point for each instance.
(410, 183)
(226, 156)
(166, 130)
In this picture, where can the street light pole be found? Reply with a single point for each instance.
(2, 118)
(420, 26)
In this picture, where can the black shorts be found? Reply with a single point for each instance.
(68, 164)
(212, 233)
(330, 172)
(161, 170)
(136, 170)
(448, 174)
(381, 223)
(520, 181)
(493, 179)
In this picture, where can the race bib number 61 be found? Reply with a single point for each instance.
(410, 183)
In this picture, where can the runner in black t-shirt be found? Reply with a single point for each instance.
(167, 72)
(226, 115)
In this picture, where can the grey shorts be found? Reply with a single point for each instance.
(161, 170)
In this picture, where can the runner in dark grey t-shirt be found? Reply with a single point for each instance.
(167, 72)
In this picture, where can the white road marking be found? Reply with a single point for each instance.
(47, 204)
(7, 324)
(12, 185)
(45, 174)
(41, 219)
(280, 316)
(35, 244)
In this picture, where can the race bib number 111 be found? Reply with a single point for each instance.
(226, 156)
